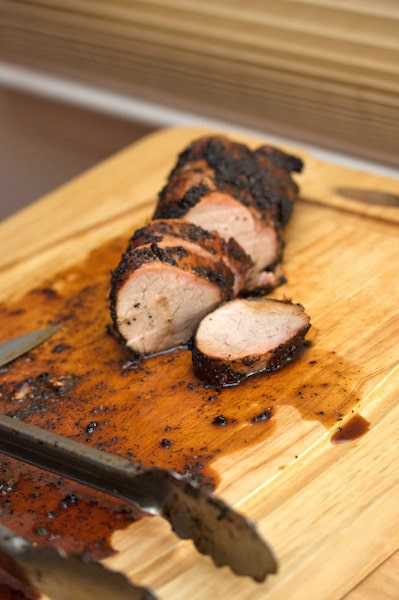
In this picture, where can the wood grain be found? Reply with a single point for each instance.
(313, 69)
(328, 511)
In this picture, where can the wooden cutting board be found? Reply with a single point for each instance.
(329, 511)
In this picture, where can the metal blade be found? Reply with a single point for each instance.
(12, 349)
(378, 197)
(63, 576)
(193, 512)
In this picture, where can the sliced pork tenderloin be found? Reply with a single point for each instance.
(221, 212)
(222, 186)
(159, 295)
(172, 232)
(245, 337)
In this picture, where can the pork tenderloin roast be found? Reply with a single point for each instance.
(216, 234)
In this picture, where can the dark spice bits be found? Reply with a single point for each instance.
(59, 348)
(69, 500)
(91, 427)
(264, 416)
(40, 530)
(165, 443)
(220, 421)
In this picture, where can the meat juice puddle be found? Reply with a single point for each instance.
(80, 384)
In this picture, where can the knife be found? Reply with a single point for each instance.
(378, 197)
(192, 511)
(12, 349)
(62, 576)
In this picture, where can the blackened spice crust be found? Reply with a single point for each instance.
(163, 231)
(182, 204)
(218, 373)
(260, 179)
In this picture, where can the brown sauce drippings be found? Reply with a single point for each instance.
(81, 384)
(351, 430)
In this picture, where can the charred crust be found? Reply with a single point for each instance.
(178, 228)
(221, 276)
(230, 252)
(213, 371)
(194, 193)
(178, 251)
(218, 373)
(141, 236)
(260, 179)
(288, 351)
(133, 259)
(165, 255)
(258, 292)
(179, 206)
(285, 210)
(238, 253)
(278, 158)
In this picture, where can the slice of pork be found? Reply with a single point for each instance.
(245, 337)
(159, 295)
(172, 232)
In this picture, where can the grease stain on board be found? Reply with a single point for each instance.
(81, 384)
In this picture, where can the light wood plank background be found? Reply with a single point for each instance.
(323, 72)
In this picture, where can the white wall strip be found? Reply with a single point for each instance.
(123, 106)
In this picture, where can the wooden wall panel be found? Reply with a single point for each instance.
(321, 71)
